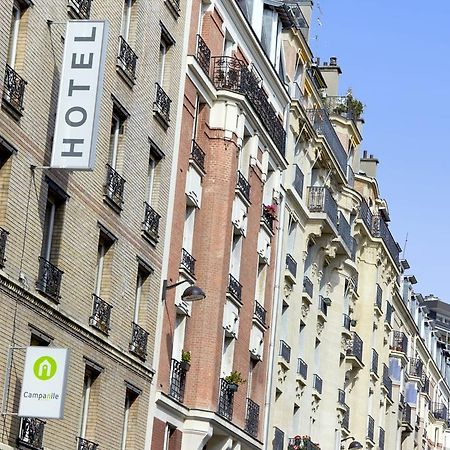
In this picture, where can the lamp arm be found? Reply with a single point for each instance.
(171, 286)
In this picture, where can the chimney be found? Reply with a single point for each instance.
(368, 165)
(330, 72)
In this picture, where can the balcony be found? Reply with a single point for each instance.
(406, 415)
(3, 239)
(387, 382)
(308, 287)
(371, 429)
(260, 313)
(252, 418)
(203, 55)
(177, 380)
(374, 364)
(320, 200)
(346, 322)
(302, 442)
(439, 411)
(234, 288)
(345, 231)
(291, 265)
(355, 349)
(388, 317)
(381, 439)
(302, 368)
(114, 187)
(81, 8)
(317, 383)
(243, 186)
(341, 397)
(187, 262)
(161, 106)
(226, 397)
(268, 216)
(198, 156)
(14, 89)
(101, 315)
(425, 385)
(285, 351)
(381, 230)
(127, 59)
(31, 434)
(298, 181)
(379, 297)
(49, 279)
(345, 106)
(150, 224)
(323, 304)
(138, 344)
(415, 367)
(84, 444)
(232, 74)
(323, 127)
(399, 342)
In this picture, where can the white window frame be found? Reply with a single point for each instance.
(116, 124)
(126, 19)
(14, 36)
(49, 228)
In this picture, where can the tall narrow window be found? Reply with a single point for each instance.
(14, 34)
(129, 420)
(227, 355)
(162, 61)
(236, 251)
(151, 178)
(88, 398)
(126, 19)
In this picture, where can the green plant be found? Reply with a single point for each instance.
(185, 356)
(235, 377)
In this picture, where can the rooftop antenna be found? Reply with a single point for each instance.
(404, 247)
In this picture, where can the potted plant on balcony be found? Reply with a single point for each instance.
(271, 210)
(234, 380)
(185, 360)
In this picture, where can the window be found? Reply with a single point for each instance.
(169, 437)
(227, 355)
(165, 44)
(236, 252)
(178, 336)
(117, 129)
(141, 292)
(89, 399)
(126, 18)
(129, 418)
(13, 44)
(104, 262)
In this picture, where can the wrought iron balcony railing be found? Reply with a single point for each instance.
(252, 418)
(232, 74)
(302, 368)
(439, 411)
(356, 347)
(81, 7)
(150, 225)
(198, 155)
(341, 105)
(114, 186)
(399, 342)
(31, 433)
(14, 89)
(49, 279)
(350, 176)
(226, 400)
(3, 239)
(406, 414)
(285, 351)
(366, 215)
(177, 380)
(243, 186)
(298, 181)
(291, 265)
(268, 216)
(345, 231)
(381, 230)
(234, 287)
(425, 384)
(139, 338)
(302, 442)
(162, 103)
(323, 306)
(387, 381)
(203, 55)
(308, 286)
(415, 367)
(381, 439)
(370, 428)
(353, 248)
(84, 444)
(187, 261)
(321, 200)
(323, 126)
(379, 297)
(389, 311)
(346, 321)
(101, 314)
(346, 418)
(317, 383)
(260, 313)
(127, 59)
(341, 397)
(374, 365)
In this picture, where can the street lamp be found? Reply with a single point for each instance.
(355, 444)
(190, 294)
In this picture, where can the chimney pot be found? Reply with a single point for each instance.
(371, 156)
(365, 154)
(333, 61)
(318, 61)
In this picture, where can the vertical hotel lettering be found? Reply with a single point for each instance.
(80, 93)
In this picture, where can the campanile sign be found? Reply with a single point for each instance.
(80, 93)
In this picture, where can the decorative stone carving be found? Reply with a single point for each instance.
(305, 309)
(346, 344)
(320, 327)
(287, 290)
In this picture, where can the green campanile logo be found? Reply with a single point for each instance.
(44, 368)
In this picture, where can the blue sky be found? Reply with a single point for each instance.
(395, 55)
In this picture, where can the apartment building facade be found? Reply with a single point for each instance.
(82, 252)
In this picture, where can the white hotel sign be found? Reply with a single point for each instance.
(80, 93)
(44, 383)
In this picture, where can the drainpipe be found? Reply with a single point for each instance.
(275, 307)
